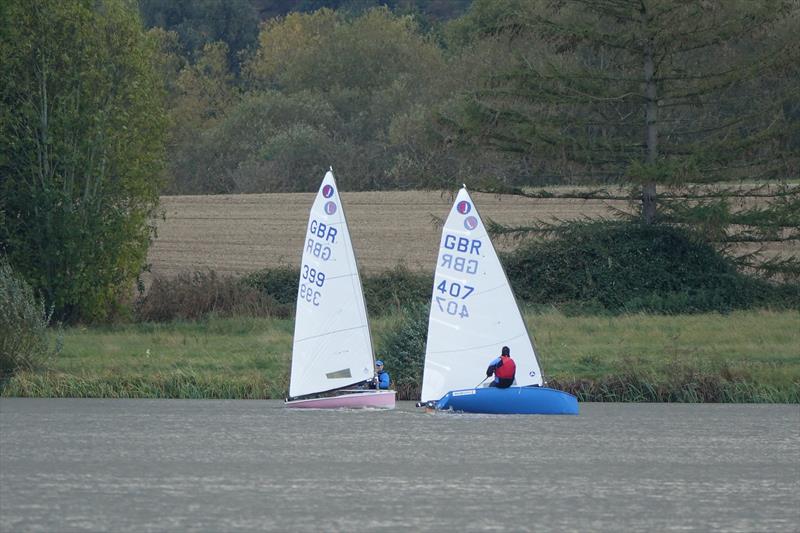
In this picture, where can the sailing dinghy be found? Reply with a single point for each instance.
(473, 314)
(332, 347)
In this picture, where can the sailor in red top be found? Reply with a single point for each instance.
(504, 369)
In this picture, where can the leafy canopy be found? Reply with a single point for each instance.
(81, 149)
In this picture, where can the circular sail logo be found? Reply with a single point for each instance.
(330, 208)
(327, 191)
(532, 373)
(464, 207)
(470, 222)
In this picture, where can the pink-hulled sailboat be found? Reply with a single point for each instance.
(332, 348)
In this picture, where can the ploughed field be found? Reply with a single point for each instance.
(236, 234)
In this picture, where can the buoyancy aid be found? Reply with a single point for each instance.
(506, 369)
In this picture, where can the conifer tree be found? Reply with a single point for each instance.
(665, 95)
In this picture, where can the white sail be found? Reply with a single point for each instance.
(332, 345)
(473, 310)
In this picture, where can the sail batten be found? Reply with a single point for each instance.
(327, 334)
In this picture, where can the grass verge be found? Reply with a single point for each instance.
(745, 356)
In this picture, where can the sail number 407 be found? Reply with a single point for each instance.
(452, 307)
(456, 291)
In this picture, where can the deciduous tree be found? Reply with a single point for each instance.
(81, 149)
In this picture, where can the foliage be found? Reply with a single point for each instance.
(652, 92)
(81, 150)
(270, 141)
(235, 22)
(366, 71)
(689, 386)
(662, 96)
(198, 24)
(403, 350)
(24, 343)
(632, 267)
(280, 283)
(200, 94)
(394, 290)
(199, 294)
(176, 384)
(582, 268)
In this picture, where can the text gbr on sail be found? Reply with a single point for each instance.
(462, 245)
(326, 233)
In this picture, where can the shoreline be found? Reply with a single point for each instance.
(743, 356)
(694, 388)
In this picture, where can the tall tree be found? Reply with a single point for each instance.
(655, 92)
(81, 149)
(671, 96)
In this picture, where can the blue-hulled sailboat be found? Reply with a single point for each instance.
(473, 314)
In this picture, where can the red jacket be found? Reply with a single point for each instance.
(506, 368)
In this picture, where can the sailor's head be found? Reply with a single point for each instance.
(505, 351)
(378, 365)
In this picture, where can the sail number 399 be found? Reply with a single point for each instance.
(315, 279)
(313, 276)
(309, 294)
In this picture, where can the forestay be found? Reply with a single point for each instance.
(332, 346)
(473, 310)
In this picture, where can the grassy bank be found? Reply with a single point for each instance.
(751, 356)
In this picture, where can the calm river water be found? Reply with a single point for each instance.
(179, 465)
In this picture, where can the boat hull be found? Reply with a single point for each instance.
(384, 399)
(510, 401)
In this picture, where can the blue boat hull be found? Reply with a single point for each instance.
(510, 401)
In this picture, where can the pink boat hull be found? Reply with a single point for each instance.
(356, 400)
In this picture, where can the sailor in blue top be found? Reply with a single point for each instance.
(382, 377)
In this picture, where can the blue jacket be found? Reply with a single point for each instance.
(383, 380)
(492, 367)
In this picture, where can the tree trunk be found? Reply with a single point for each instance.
(651, 117)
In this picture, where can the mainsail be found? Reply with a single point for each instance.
(332, 345)
(473, 310)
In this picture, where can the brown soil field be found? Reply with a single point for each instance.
(236, 234)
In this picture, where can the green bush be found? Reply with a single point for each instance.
(196, 295)
(23, 325)
(393, 290)
(403, 351)
(620, 266)
(280, 283)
